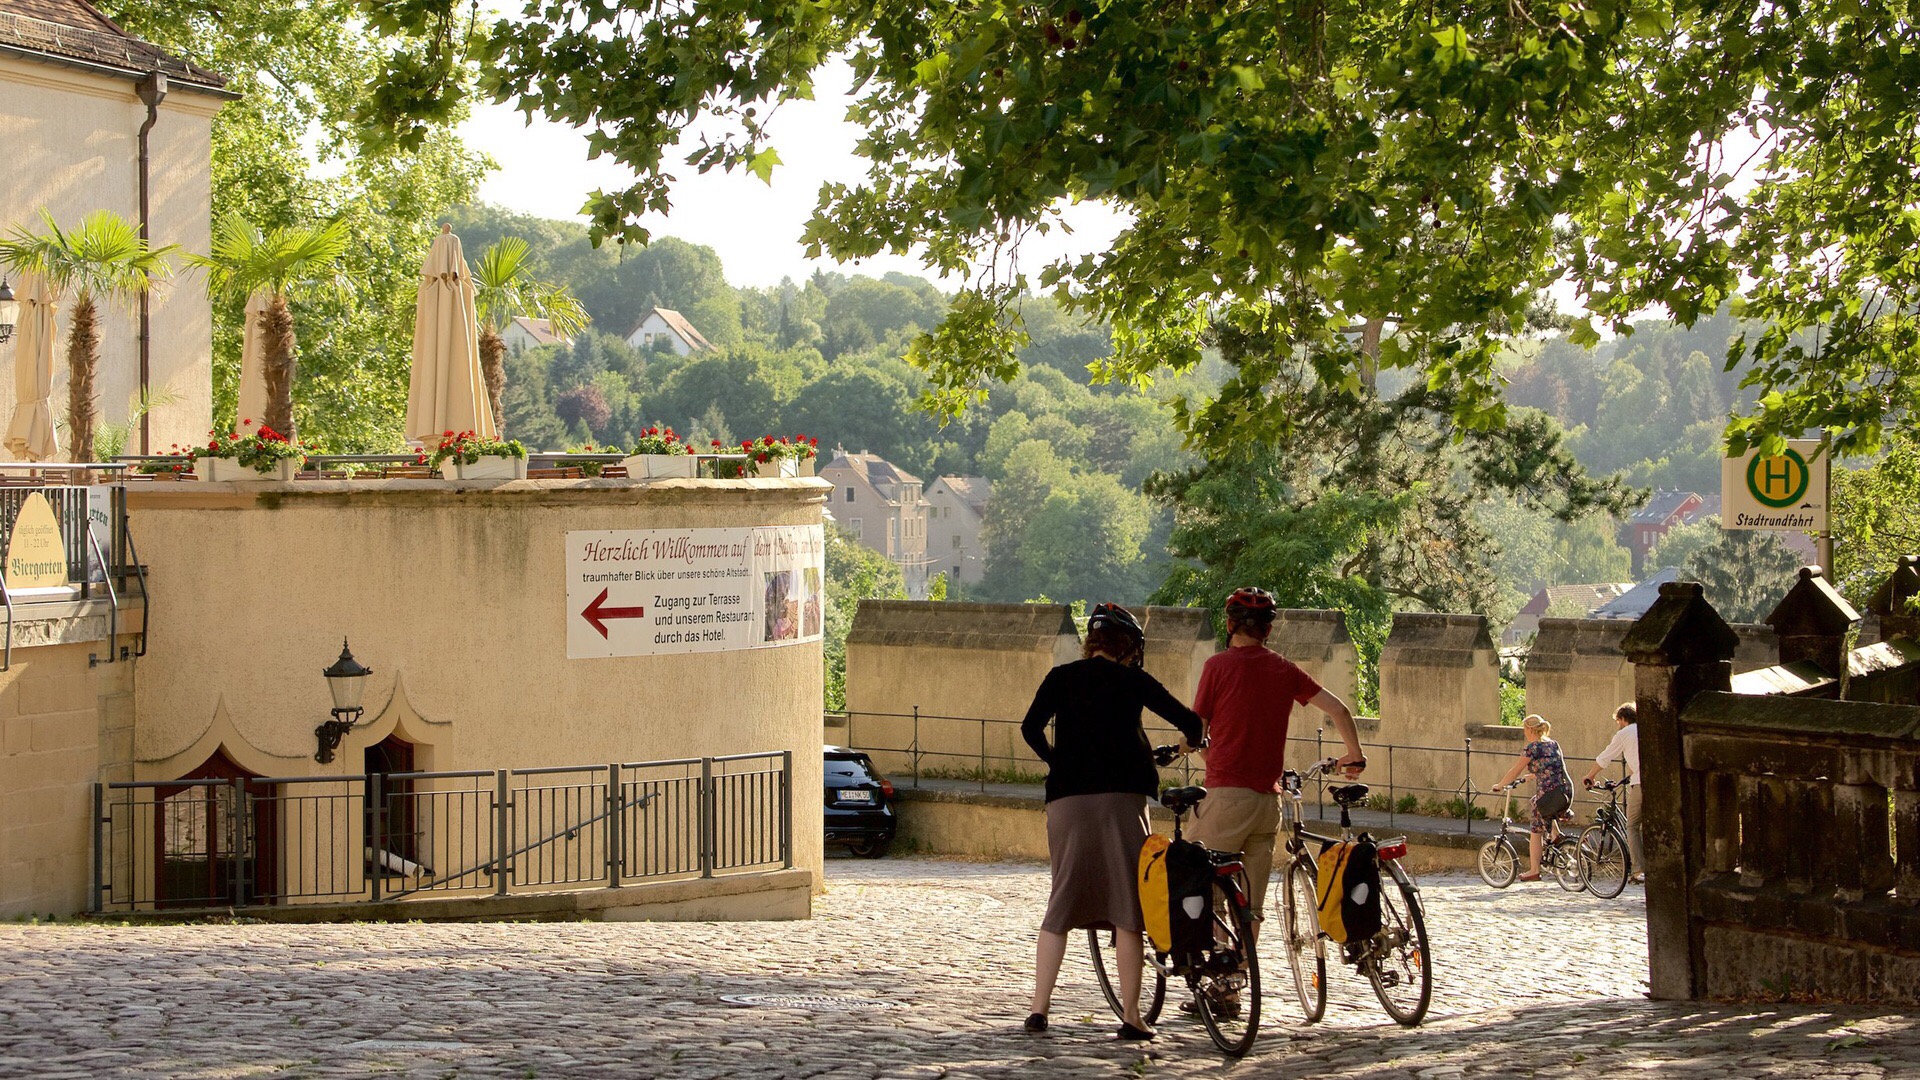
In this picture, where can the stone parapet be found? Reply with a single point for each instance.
(1318, 641)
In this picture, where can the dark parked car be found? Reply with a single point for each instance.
(859, 803)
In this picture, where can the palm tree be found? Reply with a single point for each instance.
(285, 263)
(103, 258)
(504, 286)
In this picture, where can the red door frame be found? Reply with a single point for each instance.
(259, 887)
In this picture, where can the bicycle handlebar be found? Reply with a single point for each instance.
(1164, 756)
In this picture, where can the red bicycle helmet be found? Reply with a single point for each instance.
(1251, 603)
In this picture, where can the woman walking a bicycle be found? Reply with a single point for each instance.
(1553, 788)
(1100, 774)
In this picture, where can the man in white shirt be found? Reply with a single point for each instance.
(1626, 744)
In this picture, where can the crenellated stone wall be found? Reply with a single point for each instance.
(1317, 640)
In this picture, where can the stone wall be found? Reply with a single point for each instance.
(1179, 641)
(957, 664)
(1439, 676)
(1317, 640)
(1576, 677)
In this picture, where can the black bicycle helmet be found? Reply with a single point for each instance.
(1115, 617)
(1251, 604)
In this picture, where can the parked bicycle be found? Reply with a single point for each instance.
(1396, 960)
(1500, 857)
(1603, 846)
(1224, 979)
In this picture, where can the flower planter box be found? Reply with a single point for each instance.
(786, 467)
(230, 471)
(662, 465)
(806, 465)
(489, 467)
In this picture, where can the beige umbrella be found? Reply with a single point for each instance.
(253, 368)
(447, 392)
(30, 437)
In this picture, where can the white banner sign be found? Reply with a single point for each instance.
(1787, 491)
(648, 592)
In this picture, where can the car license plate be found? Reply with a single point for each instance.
(856, 796)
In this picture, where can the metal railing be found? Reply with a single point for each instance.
(377, 466)
(984, 750)
(390, 836)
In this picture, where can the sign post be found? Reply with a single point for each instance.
(1780, 492)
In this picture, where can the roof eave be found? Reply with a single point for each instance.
(114, 71)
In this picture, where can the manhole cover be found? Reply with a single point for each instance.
(814, 1002)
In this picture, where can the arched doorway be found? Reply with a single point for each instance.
(394, 846)
(214, 845)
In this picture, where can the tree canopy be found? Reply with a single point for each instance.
(1314, 166)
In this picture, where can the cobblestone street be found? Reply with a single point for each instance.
(937, 954)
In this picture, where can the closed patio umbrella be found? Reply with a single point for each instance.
(253, 368)
(447, 391)
(30, 435)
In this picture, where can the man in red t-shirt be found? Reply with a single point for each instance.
(1246, 695)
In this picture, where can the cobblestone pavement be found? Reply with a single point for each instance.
(935, 954)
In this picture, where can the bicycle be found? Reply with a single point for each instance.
(1396, 960)
(1499, 861)
(1603, 846)
(1225, 978)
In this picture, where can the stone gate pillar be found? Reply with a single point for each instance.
(1889, 603)
(1812, 622)
(1680, 648)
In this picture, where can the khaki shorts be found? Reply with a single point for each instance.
(1243, 820)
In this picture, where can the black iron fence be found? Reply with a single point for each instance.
(388, 836)
(1406, 779)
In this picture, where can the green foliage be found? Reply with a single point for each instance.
(506, 284)
(1744, 572)
(289, 261)
(1513, 702)
(101, 258)
(855, 572)
(1876, 515)
(937, 587)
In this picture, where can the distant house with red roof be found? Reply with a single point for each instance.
(1644, 530)
(1585, 598)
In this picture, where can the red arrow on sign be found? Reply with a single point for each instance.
(597, 613)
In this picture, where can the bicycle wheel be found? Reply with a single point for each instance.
(1605, 854)
(1226, 995)
(1499, 862)
(1399, 966)
(1153, 986)
(1568, 868)
(1306, 949)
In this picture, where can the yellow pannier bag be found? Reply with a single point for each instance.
(1154, 894)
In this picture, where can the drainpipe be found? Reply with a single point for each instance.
(153, 91)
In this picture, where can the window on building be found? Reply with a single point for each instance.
(849, 494)
(956, 540)
(853, 526)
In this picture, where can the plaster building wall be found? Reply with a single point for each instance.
(73, 149)
(455, 595)
(954, 660)
(1576, 677)
(64, 722)
(953, 531)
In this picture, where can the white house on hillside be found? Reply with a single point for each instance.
(665, 324)
(525, 333)
(956, 508)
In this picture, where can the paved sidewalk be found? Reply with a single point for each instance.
(931, 964)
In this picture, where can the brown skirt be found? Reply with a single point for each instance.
(1094, 844)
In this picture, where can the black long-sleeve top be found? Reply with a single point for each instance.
(1098, 743)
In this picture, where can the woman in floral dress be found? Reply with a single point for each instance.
(1552, 791)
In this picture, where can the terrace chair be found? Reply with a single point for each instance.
(561, 473)
(613, 472)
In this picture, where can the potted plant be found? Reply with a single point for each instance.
(806, 454)
(770, 456)
(466, 456)
(168, 466)
(262, 454)
(659, 454)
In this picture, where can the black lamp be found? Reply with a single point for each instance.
(9, 311)
(347, 680)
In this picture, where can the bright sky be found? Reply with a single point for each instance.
(544, 171)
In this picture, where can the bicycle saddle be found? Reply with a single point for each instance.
(1348, 794)
(1181, 799)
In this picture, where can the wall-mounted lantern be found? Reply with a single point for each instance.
(347, 681)
(9, 311)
